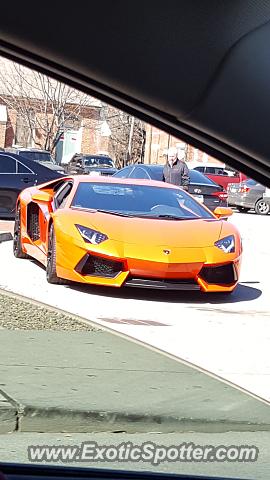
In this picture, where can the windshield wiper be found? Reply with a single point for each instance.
(112, 212)
(174, 217)
(134, 215)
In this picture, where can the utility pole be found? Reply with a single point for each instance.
(131, 131)
(169, 141)
(150, 145)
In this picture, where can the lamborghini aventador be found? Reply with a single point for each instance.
(118, 232)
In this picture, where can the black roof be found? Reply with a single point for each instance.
(157, 169)
(36, 167)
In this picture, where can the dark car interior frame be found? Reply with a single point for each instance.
(198, 70)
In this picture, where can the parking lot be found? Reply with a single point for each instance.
(228, 336)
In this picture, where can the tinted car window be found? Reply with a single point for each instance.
(123, 173)
(211, 170)
(62, 195)
(156, 172)
(197, 177)
(23, 169)
(138, 200)
(7, 164)
(139, 173)
(199, 169)
(98, 161)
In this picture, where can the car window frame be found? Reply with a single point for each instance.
(60, 191)
(25, 166)
(16, 167)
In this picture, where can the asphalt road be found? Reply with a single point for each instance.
(229, 337)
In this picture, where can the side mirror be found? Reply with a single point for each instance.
(221, 212)
(42, 196)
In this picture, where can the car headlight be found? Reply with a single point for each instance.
(227, 244)
(91, 236)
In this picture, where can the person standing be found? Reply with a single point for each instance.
(176, 170)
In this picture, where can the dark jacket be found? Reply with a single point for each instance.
(178, 174)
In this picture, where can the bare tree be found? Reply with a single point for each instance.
(127, 140)
(44, 107)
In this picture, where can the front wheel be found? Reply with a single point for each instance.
(17, 239)
(51, 260)
(262, 207)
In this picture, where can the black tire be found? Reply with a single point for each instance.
(51, 260)
(262, 207)
(243, 209)
(17, 241)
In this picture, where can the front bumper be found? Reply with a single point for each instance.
(180, 269)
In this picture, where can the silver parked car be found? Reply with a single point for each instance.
(248, 194)
(266, 196)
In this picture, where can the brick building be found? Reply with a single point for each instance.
(35, 110)
(15, 131)
(158, 142)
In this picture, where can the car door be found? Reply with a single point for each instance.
(255, 193)
(61, 193)
(14, 177)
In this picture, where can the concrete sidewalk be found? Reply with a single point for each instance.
(96, 381)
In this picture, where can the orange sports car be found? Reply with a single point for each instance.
(111, 231)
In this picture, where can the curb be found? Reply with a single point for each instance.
(8, 415)
(5, 236)
(54, 420)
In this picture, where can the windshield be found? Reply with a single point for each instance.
(37, 156)
(138, 200)
(98, 162)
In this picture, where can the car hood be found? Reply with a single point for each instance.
(179, 233)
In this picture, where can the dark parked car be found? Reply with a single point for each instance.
(247, 195)
(86, 164)
(16, 174)
(37, 155)
(206, 191)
